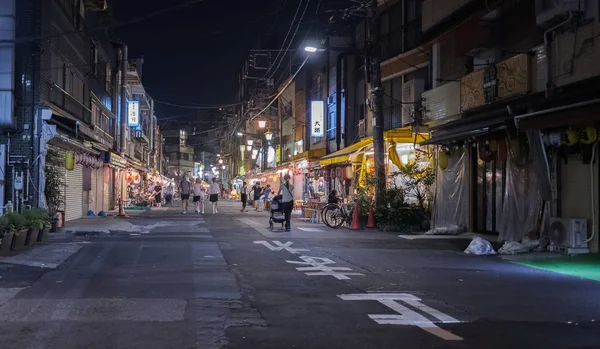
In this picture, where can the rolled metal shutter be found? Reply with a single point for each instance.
(107, 186)
(74, 193)
(99, 190)
(94, 192)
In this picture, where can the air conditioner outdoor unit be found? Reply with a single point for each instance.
(549, 11)
(411, 99)
(568, 235)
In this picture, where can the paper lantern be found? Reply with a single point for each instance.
(570, 138)
(588, 135)
(443, 159)
(349, 172)
(70, 161)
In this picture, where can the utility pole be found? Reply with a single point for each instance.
(377, 101)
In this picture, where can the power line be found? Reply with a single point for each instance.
(113, 25)
(292, 39)
(286, 37)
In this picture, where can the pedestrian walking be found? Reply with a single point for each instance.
(213, 193)
(267, 193)
(199, 196)
(158, 194)
(185, 189)
(256, 191)
(287, 200)
(244, 196)
(169, 194)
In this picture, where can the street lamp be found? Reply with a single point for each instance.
(240, 134)
(250, 142)
(268, 135)
(220, 161)
(310, 49)
(248, 148)
(262, 123)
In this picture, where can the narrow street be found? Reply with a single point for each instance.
(225, 281)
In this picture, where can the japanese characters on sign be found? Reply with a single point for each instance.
(133, 113)
(317, 111)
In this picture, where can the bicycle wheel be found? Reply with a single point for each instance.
(333, 216)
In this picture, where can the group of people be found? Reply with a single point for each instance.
(261, 197)
(198, 193)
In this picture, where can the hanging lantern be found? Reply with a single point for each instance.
(570, 138)
(588, 135)
(443, 159)
(70, 161)
(555, 139)
(349, 172)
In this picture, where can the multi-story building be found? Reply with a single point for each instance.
(514, 112)
(65, 84)
(178, 153)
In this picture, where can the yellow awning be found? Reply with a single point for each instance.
(310, 154)
(405, 135)
(343, 155)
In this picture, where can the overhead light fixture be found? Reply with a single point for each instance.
(240, 134)
(269, 135)
(248, 148)
(250, 142)
(220, 161)
(262, 123)
(310, 49)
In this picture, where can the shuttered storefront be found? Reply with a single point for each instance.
(74, 193)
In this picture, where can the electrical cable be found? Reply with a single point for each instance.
(285, 39)
(113, 25)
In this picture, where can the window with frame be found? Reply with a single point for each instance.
(331, 125)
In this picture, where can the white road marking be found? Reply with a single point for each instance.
(311, 230)
(407, 316)
(279, 246)
(319, 267)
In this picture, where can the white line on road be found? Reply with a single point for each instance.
(312, 230)
(279, 246)
(319, 267)
(406, 316)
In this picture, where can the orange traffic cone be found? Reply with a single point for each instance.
(355, 223)
(121, 209)
(371, 221)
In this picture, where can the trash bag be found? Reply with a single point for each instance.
(451, 229)
(513, 247)
(480, 247)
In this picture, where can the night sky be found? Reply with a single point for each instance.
(194, 55)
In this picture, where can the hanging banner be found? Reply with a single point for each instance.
(133, 113)
(317, 115)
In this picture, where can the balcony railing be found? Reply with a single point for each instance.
(68, 103)
(392, 117)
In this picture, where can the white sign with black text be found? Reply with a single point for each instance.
(133, 113)
(317, 118)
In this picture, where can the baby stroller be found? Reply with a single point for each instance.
(277, 215)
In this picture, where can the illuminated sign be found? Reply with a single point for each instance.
(317, 113)
(133, 113)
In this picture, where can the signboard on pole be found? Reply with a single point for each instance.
(317, 116)
(133, 113)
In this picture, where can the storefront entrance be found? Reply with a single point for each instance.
(489, 188)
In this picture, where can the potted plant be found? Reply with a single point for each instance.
(33, 225)
(19, 228)
(46, 226)
(6, 236)
(55, 181)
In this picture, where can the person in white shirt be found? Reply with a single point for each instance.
(287, 201)
(244, 196)
(213, 193)
(199, 196)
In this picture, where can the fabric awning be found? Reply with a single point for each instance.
(579, 114)
(406, 135)
(310, 154)
(343, 155)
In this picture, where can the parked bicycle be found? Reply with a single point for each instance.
(336, 215)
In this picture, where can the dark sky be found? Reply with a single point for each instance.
(194, 55)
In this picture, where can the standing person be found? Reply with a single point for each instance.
(213, 193)
(266, 193)
(158, 194)
(244, 196)
(169, 194)
(199, 196)
(185, 189)
(256, 192)
(287, 200)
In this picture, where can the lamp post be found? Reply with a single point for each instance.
(265, 146)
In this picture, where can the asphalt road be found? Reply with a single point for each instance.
(225, 281)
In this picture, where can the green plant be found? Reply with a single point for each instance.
(417, 180)
(55, 181)
(35, 218)
(17, 222)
